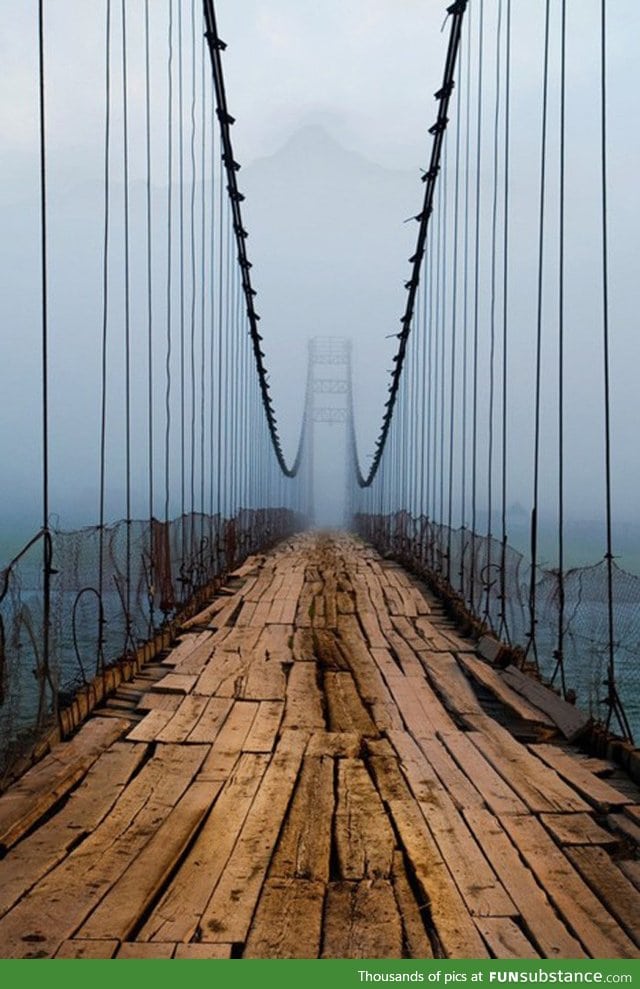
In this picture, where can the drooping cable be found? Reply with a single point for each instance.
(216, 46)
(456, 12)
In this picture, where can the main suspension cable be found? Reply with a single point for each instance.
(456, 11)
(216, 46)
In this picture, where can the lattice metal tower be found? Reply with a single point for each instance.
(330, 382)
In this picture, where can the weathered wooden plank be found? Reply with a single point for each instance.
(56, 907)
(620, 897)
(371, 686)
(449, 681)
(126, 902)
(185, 719)
(176, 683)
(386, 663)
(452, 922)
(624, 824)
(548, 932)
(597, 791)
(227, 747)
(504, 938)
(459, 787)
(85, 949)
(242, 878)
(497, 794)
(87, 806)
(361, 920)
(576, 829)
(479, 886)
(303, 700)
(363, 836)
(227, 614)
(177, 914)
(374, 589)
(345, 709)
(491, 679)
(203, 951)
(412, 912)
(336, 744)
(421, 710)
(41, 787)
(152, 701)
(188, 644)
(151, 725)
(631, 869)
(138, 949)
(599, 933)
(288, 920)
(212, 719)
(264, 730)
(436, 640)
(303, 851)
(539, 786)
(367, 616)
(406, 657)
(265, 680)
(633, 811)
(569, 719)
(224, 675)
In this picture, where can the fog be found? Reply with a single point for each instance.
(332, 103)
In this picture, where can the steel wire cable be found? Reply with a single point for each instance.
(456, 12)
(44, 316)
(532, 643)
(104, 333)
(216, 46)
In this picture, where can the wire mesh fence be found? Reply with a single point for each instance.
(111, 590)
(563, 627)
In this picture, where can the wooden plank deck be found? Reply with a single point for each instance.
(314, 771)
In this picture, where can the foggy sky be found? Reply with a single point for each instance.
(327, 236)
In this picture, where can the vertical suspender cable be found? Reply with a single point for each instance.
(129, 643)
(168, 354)
(504, 628)
(150, 421)
(192, 324)
(476, 314)
(465, 313)
(492, 326)
(203, 281)
(536, 442)
(614, 705)
(183, 438)
(454, 327)
(105, 324)
(559, 652)
(46, 565)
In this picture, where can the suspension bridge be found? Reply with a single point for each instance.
(226, 734)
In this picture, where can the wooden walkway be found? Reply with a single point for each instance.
(322, 767)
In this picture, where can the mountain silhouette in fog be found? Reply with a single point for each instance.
(330, 253)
